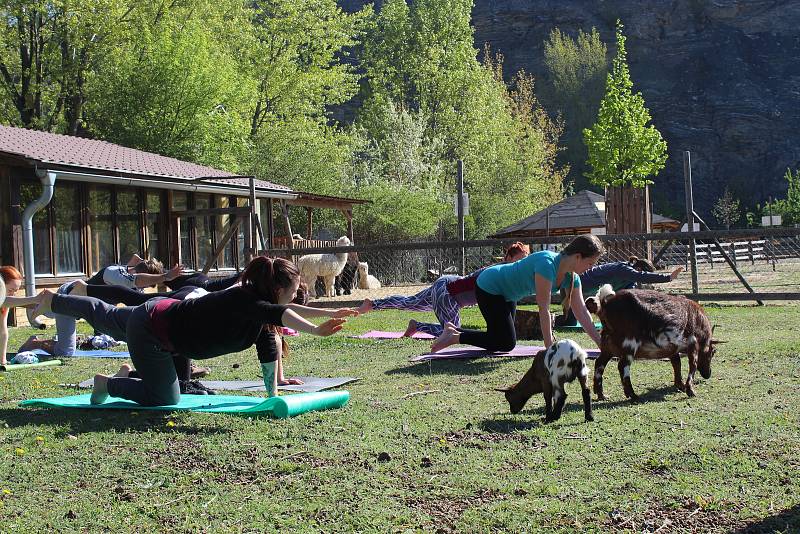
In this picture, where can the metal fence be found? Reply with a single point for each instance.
(767, 259)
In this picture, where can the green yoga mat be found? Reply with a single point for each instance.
(18, 366)
(575, 328)
(280, 407)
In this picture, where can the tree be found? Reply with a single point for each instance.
(577, 72)
(173, 87)
(623, 149)
(727, 210)
(422, 57)
(48, 50)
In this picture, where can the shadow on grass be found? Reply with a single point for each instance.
(786, 521)
(475, 366)
(83, 421)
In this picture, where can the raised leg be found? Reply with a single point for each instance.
(676, 371)
(625, 375)
(599, 367)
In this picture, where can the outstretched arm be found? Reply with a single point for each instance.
(578, 306)
(309, 311)
(543, 288)
(291, 319)
(3, 335)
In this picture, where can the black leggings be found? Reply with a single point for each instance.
(500, 334)
(201, 280)
(130, 297)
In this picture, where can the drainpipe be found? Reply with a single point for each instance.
(48, 182)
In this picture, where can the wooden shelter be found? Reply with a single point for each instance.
(582, 213)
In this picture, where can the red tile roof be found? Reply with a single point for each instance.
(93, 154)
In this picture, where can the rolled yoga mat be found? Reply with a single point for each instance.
(280, 407)
(18, 366)
(310, 384)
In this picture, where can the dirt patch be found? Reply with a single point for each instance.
(685, 517)
(445, 511)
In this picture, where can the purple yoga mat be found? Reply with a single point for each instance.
(464, 353)
(378, 334)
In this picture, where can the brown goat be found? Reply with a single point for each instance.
(563, 362)
(646, 324)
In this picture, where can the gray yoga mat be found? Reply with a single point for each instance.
(311, 384)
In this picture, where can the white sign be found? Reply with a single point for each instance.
(598, 231)
(696, 227)
(776, 220)
(466, 204)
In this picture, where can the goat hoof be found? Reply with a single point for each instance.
(602, 397)
(589, 418)
(680, 386)
(690, 392)
(634, 398)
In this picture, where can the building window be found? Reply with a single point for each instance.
(241, 202)
(180, 202)
(101, 228)
(154, 221)
(204, 230)
(66, 207)
(128, 224)
(227, 259)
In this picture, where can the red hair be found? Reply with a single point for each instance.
(516, 248)
(9, 272)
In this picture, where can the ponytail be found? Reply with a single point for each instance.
(267, 276)
(567, 300)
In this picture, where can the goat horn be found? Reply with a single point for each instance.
(717, 341)
(501, 390)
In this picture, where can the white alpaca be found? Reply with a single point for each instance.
(328, 266)
(366, 280)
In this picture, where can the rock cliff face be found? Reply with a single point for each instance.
(721, 78)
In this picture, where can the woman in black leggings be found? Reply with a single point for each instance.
(219, 323)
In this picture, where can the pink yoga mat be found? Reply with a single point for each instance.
(463, 353)
(378, 334)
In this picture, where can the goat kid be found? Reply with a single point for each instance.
(649, 325)
(563, 362)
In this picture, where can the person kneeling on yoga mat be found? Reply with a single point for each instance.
(219, 323)
(499, 287)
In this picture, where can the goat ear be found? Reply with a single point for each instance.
(713, 326)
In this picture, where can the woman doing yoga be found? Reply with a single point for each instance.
(215, 324)
(500, 286)
(445, 297)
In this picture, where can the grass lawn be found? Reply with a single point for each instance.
(449, 460)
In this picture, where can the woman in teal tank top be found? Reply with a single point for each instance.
(541, 274)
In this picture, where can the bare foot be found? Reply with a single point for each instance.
(365, 307)
(100, 391)
(43, 307)
(124, 371)
(79, 288)
(450, 336)
(290, 382)
(412, 328)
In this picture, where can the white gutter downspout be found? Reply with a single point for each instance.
(48, 182)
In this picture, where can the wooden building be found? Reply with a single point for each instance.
(98, 203)
(582, 213)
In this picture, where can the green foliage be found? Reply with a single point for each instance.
(727, 210)
(422, 57)
(172, 88)
(48, 49)
(623, 149)
(577, 72)
(402, 173)
(791, 204)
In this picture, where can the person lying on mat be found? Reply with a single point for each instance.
(197, 279)
(500, 286)
(218, 323)
(445, 298)
(138, 273)
(621, 275)
(11, 281)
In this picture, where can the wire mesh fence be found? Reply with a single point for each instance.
(767, 259)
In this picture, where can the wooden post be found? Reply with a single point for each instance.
(232, 229)
(270, 226)
(253, 214)
(687, 183)
(309, 222)
(285, 211)
(460, 210)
